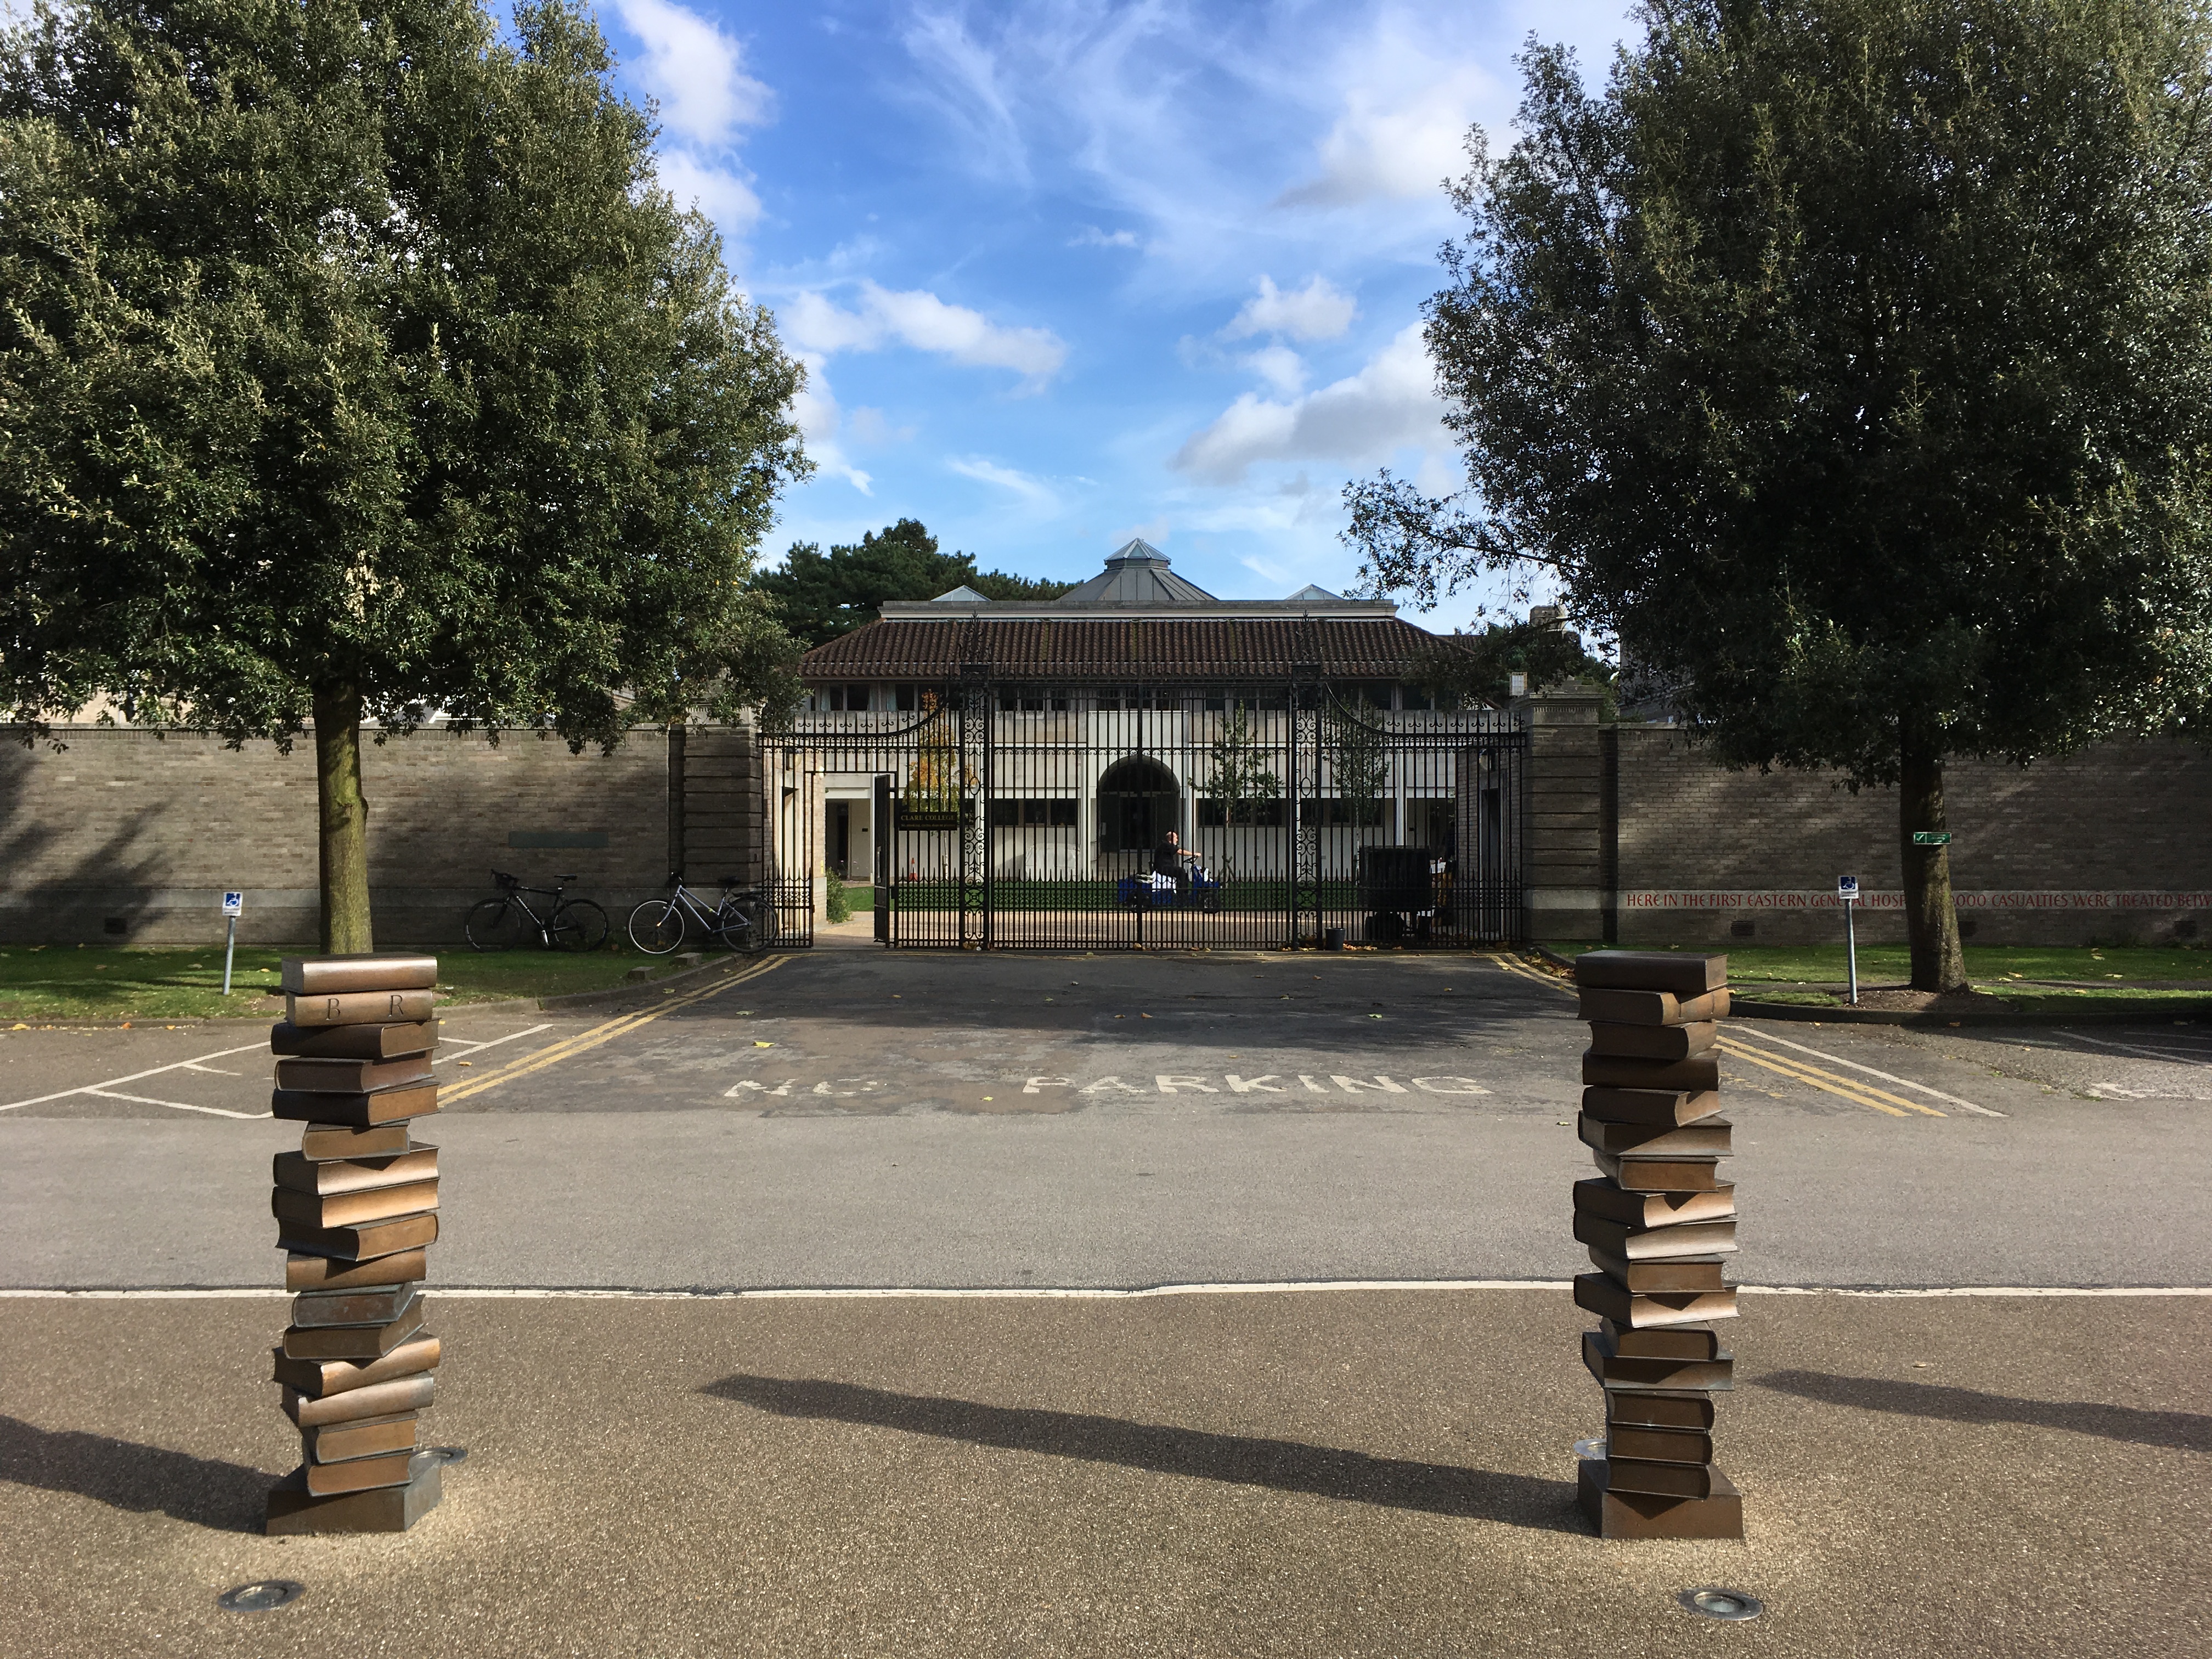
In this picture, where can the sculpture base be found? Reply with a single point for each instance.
(1636, 1514)
(293, 1510)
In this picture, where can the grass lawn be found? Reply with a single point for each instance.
(2019, 973)
(49, 982)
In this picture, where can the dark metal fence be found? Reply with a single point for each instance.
(1001, 816)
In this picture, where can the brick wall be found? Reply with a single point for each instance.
(122, 837)
(2123, 817)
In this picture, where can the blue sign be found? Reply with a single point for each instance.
(1847, 888)
(233, 905)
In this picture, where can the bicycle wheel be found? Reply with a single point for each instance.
(494, 925)
(656, 927)
(761, 934)
(579, 925)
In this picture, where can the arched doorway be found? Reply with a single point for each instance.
(1138, 804)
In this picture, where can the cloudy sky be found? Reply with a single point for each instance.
(1066, 273)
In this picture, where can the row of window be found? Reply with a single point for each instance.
(1059, 700)
(1211, 814)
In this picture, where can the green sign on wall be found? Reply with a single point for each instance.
(1931, 837)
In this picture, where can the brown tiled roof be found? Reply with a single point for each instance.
(1151, 650)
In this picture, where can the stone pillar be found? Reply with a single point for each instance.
(1562, 813)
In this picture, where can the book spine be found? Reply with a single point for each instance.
(1651, 1079)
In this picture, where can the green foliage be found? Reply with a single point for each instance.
(835, 900)
(1358, 761)
(351, 352)
(1238, 776)
(1479, 668)
(1850, 362)
(818, 595)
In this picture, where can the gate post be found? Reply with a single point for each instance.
(972, 785)
(884, 835)
(1305, 786)
(1563, 817)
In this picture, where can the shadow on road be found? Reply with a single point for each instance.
(2185, 1431)
(1283, 1465)
(227, 1496)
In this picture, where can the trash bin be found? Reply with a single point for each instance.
(1394, 878)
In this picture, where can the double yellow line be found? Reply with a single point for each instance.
(1859, 1094)
(569, 1047)
(1798, 1071)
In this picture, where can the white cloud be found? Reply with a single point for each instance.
(815, 409)
(1280, 368)
(1155, 531)
(868, 426)
(919, 318)
(1389, 404)
(1319, 310)
(1033, 490)
(1394, 141)
(716, 191)
(1091, 236)
(694, 71)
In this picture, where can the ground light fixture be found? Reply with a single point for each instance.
(1714, 1602)
(263, 1595)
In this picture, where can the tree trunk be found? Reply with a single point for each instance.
(344, 821)
(1931, 923)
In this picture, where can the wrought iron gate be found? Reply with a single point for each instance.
(996, 815)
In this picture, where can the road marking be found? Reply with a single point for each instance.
(156, 1070)
(607, 1031)
(1842, 1087)
(1739, 1034)
(144, 1100)
(1088, 1293)
(2130, 1049)
(468, 1047)
(1522, 971)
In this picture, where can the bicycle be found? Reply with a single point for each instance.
(501, 924)
(742, 920)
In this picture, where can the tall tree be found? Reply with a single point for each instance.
(1850, 361)
(820, 595)
(355, 367)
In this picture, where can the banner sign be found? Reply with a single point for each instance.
(1777, 898)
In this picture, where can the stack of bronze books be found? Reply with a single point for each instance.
(356, 1209)
(1659, 1224)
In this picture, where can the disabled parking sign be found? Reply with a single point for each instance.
(233, 905)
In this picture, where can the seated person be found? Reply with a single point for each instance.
(1167, 860)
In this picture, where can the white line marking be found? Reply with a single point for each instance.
(147, 1100)
(1088, 1293)
(2130, 1049)
(467, 1047)
(173, 1065)
(194, 1066)
(1736, 1030)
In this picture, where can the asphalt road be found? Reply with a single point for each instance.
(1375, 1476)
(866, 1119)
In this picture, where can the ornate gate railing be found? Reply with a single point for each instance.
(1003, 815)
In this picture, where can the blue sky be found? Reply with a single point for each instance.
(1063, 274)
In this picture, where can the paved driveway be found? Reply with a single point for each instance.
(871, 1118)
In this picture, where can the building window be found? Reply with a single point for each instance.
(1341, 814)
(1255, 814)
(908, 702)
(848, 699)
(1033, 814)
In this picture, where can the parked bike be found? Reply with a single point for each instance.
(742, 919)
(567, 924)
